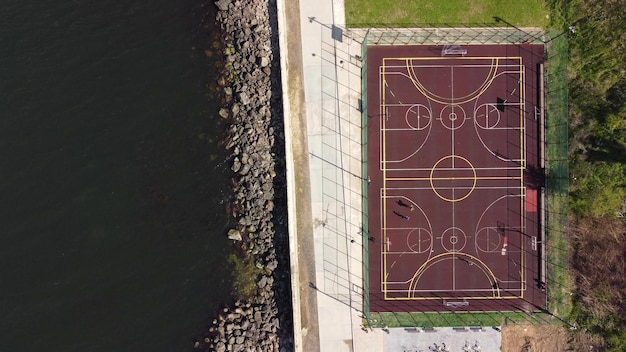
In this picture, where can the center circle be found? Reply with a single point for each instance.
(453, 239)
(453, 178)
(452, 116)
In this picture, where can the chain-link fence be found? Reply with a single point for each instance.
(461, 34)
(557, 176)
(555, 194)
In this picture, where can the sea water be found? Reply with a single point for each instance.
(112, 186)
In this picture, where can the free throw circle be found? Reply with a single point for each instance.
(419, 240)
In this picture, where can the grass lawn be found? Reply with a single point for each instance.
(559, 302)
(429, 320)
(376, 13)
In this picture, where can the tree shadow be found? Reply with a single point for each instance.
(606, 150)
(535, 176)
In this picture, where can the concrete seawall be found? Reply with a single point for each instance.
(305, 315)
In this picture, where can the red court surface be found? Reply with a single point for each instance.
(455, 179)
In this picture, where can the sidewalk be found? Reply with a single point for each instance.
(323, 138)
(332, 86)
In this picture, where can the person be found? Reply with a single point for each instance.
(402, 204)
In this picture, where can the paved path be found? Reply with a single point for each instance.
(321, 73)
(332, 87)
(324, 167)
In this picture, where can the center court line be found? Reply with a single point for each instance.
(453, 158)
(452, 178)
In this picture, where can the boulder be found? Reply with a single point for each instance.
(264, 61)
(243, 98)
(236, 165)
(222, 5)
(272, 265)
(234, 235)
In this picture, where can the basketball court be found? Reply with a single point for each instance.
(455, 178)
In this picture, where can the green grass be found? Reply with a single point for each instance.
(561, 286)
(557, 246)
(373, 13)
(457, 319)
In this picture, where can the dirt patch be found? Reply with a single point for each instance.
(531, 338)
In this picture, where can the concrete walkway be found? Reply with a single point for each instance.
(332, 87)
(321, 73)
(324, 170)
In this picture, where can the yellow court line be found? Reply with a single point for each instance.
(384, 157)
(451, 178)
(486, 84)
(452, 58)
(484, 87)
(384, 170)
(431, 178)
(522, 146)
(442, 298)
(473, 258)
(497, 58)
(413, 76)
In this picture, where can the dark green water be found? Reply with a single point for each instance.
(112, 218)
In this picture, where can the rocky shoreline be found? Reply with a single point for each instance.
(251, 86)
